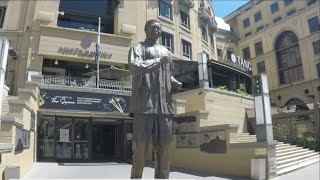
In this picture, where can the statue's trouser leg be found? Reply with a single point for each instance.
(142, 131)
(162, 137)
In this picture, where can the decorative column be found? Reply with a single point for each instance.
(4, 48)
(203, 70)
(264, 130)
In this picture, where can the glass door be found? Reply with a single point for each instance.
(46, 137)
(81, 137)
(64, 131)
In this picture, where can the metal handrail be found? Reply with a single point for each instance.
(85, 82)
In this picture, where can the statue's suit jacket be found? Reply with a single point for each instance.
(151, 80)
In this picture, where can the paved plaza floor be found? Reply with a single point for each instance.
(116, 170)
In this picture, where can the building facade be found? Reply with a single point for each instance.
(55, 41)
(281, 39)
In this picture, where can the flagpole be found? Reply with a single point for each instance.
(98, 54)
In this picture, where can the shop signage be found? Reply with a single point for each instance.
(241, 62)
(86, 101)
(83, 52)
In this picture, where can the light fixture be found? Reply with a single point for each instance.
(86, 66)
(61, 13)
(56, 62)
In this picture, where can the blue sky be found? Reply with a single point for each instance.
(225, 7)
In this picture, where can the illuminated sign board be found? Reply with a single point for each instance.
(241, 62)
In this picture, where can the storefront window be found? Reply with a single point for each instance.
(83, 14)
(81, 137)
(63, 138)
(46, 137)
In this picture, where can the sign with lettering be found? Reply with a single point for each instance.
(241, 62)
(71, 100)
(183, 124)
(210, 142)
(83, 52)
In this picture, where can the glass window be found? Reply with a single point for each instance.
(292, 12)
(247, 34)
(46, 136)
(246, 53)
(219, 52)
(318, 68)
(288, 57)
(187, 73)
(310, 2)
(314, 25)
(204, 33)
(259, 28)
(246, 23)
(287, 2)
(184, 17)
(274, 7)
(165, 10)
(82, 14)
(229, 52)
(186, 49)
(261, 67)
(258, 48)
(275, 20)
(211, 41)
(257, 16)
(2, 13)
(166, 40)
(316, 47)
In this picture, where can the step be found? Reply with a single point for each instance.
(295, 155)
(286, 161)
(289, 148)
(296, 165)
(283, 144)
(291, 151)
(245, 134)
(247, 140)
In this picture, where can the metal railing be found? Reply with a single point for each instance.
(85, 82)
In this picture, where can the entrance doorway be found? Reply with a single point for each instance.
(103, 141)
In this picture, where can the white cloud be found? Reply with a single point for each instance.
(221, 24)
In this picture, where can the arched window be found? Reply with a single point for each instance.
(288, 58)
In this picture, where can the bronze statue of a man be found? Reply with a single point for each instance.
(151, 68)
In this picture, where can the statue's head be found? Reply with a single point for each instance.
(152, 29)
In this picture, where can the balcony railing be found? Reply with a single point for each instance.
(205, 14)
(85, 82)
(188, 3)
(213, 24)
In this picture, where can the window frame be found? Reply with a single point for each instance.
(274, 5)
(219, 51)
(171, 40)
(188, 19)
(287, 2)
(183, 44)
(246, 52)
(315, 50)
(259, 17)
(204, 33)
(246, 23)
(277, 19)
(318, 69)
(317, 25)
(291, 12)
(247, 34)
(258, 29)
(2, 15)
(169, 8)
(311, 2)
(258, 48)
(261, 68)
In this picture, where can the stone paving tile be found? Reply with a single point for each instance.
(116, 170)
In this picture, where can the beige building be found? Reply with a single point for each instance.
(280, 39)
(51, 81)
